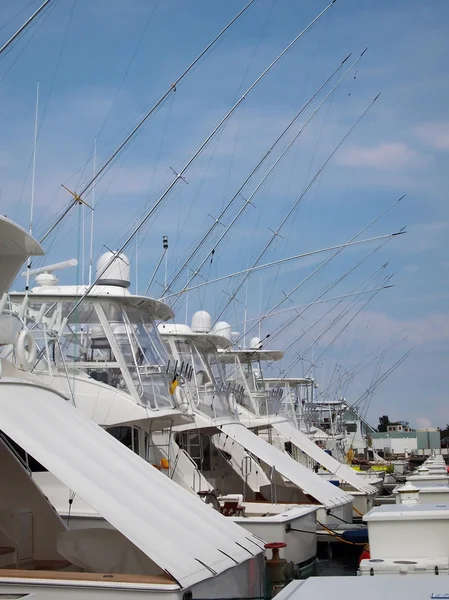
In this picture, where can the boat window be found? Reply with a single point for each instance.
(128, 436)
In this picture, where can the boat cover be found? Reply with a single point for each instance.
(182, 535)
(309, 482)
(301, 441)
(16, 245)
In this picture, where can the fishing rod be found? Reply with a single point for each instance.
(332, 285)
(284, 372)
(384, 376)
(330, 258)
(353, 372)
(273, 166)
(77, 197)
(253, 172)
(296, 203)
(191, 160)
(366, 282)
(313, 303)
(276, 263)
(287, 370)
(23, 27)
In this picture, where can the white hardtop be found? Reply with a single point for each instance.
(16, 245)
(67, 293)
(405, 512)
(291, 512)
(324, 492)
(176, 530)
(387, 587)
(210, 340)
(290, 380)
(301, 441)
(410, 566)
(251, 355)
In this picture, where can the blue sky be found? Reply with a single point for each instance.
(102, 63)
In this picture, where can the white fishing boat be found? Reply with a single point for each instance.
(164, 541)
(239, 481)
(108, 357)
(259, 409)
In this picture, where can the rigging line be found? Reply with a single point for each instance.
(353, 369)
(390, 370)
(295, 362)
(315, 194)
(17, 14)
(23, 27)
(365, 283)
(351, 319)
(125, 75)
(336, 282)
(253, 172)
(309, 185)
(147, 115)
(38, 26)
(313, 303)
(44, 112)
(329, 259)
(277, 262)
(192, 159)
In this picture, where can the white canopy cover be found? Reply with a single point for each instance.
(181, 534)
(301, 441)
(15, 247)
(324, 492)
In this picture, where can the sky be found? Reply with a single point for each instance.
(101, 64)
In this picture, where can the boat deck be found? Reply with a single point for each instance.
(41, 573)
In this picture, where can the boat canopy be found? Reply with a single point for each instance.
(176, 530)
(15, 247)
(309, 482)
(301, 441)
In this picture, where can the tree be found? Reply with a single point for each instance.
(384, 421)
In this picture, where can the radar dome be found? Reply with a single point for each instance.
(201, 322)
(255, 343)
(113, 271)
(224, 329)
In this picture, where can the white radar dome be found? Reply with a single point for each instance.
(113, 271)
(224, 329)
(255, 343)
(201, 322)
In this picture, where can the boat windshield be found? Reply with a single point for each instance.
(115, 343)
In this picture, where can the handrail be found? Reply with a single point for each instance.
(22, 461)
(14, 543)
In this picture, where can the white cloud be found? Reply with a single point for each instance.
(391, 155)
(435, 134)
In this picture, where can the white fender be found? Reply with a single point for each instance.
(26, 350)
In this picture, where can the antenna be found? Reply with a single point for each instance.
(92, 214)
(73, 262)
(33, 177)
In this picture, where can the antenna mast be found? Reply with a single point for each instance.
(33, 178)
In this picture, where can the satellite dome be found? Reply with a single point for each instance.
(255, 343)
(201, 322)
(224, 329)
(113, 271)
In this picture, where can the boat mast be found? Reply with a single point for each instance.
(23, 27)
